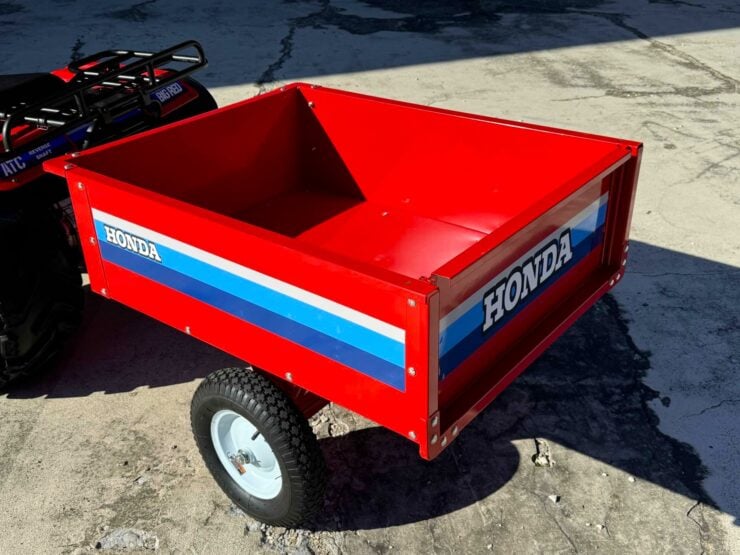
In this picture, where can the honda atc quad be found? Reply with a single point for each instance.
(99, 98)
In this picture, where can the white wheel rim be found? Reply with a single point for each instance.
(246, 455)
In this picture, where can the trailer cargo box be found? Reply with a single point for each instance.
(402, 261)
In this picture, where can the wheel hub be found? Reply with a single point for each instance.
(246, 455)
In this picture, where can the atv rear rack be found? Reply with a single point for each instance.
(109, 84)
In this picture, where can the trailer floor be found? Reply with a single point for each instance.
(623, 438)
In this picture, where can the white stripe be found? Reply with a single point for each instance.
(477, 297)
(340, 310)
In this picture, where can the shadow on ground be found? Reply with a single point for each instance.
(298, 39)
(585, 393)
(461, 29)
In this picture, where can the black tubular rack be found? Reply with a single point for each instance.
(107, 84)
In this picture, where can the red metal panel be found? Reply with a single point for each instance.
(79, 195)
(400, 241)
(340, 384)
(238, 242)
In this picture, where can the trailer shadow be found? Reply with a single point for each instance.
(585, 394)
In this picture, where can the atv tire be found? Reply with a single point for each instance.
(41, 294)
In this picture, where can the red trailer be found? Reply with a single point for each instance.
(402, 261)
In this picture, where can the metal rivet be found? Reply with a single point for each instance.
(434, 439)
(92, 240)
(435, 420)
(75, 154)
(618, 276)
(611, 282)
(104, 292)
(80, 186)
(626, 248)
(412, 434)
(68, 166)
(289, 376)
(624, 262)
(455, 430)
(444, 441)
(412, 371)
(412, 302)
(311, 104)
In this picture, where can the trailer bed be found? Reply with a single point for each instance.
(403, 261)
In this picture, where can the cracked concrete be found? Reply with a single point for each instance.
(636, 405)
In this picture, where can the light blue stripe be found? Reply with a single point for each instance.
(586, 227)
(343, 330)
(461, 328)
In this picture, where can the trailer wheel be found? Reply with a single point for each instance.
(258, 446)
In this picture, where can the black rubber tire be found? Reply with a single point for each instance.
(253, 396)
(41, 295)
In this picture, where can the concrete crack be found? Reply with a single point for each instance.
(286, 51)
(728, 84)
(728, 401)
(685, 274)
(703, 528)
(286, 46)
(77, 50)
(135, 12)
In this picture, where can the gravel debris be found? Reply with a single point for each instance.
(128, 539)
(542, 457)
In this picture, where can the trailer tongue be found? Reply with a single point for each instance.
(402, 261)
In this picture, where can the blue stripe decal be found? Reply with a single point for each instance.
(278, 324)
(455, 355)
(472, 319)
(343, 330)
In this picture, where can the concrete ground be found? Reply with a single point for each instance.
(633, 413)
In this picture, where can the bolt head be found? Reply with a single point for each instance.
(104, 292)
(80, 186)
(412, 434)
(455, 430)
(412, 371)
(75, 154)
(435, 420)
(611, 282)
(412, 303)
(92, 240)
(68, 166)
(434, 439)
(289, 376)
(311, 104)
(444, 441)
